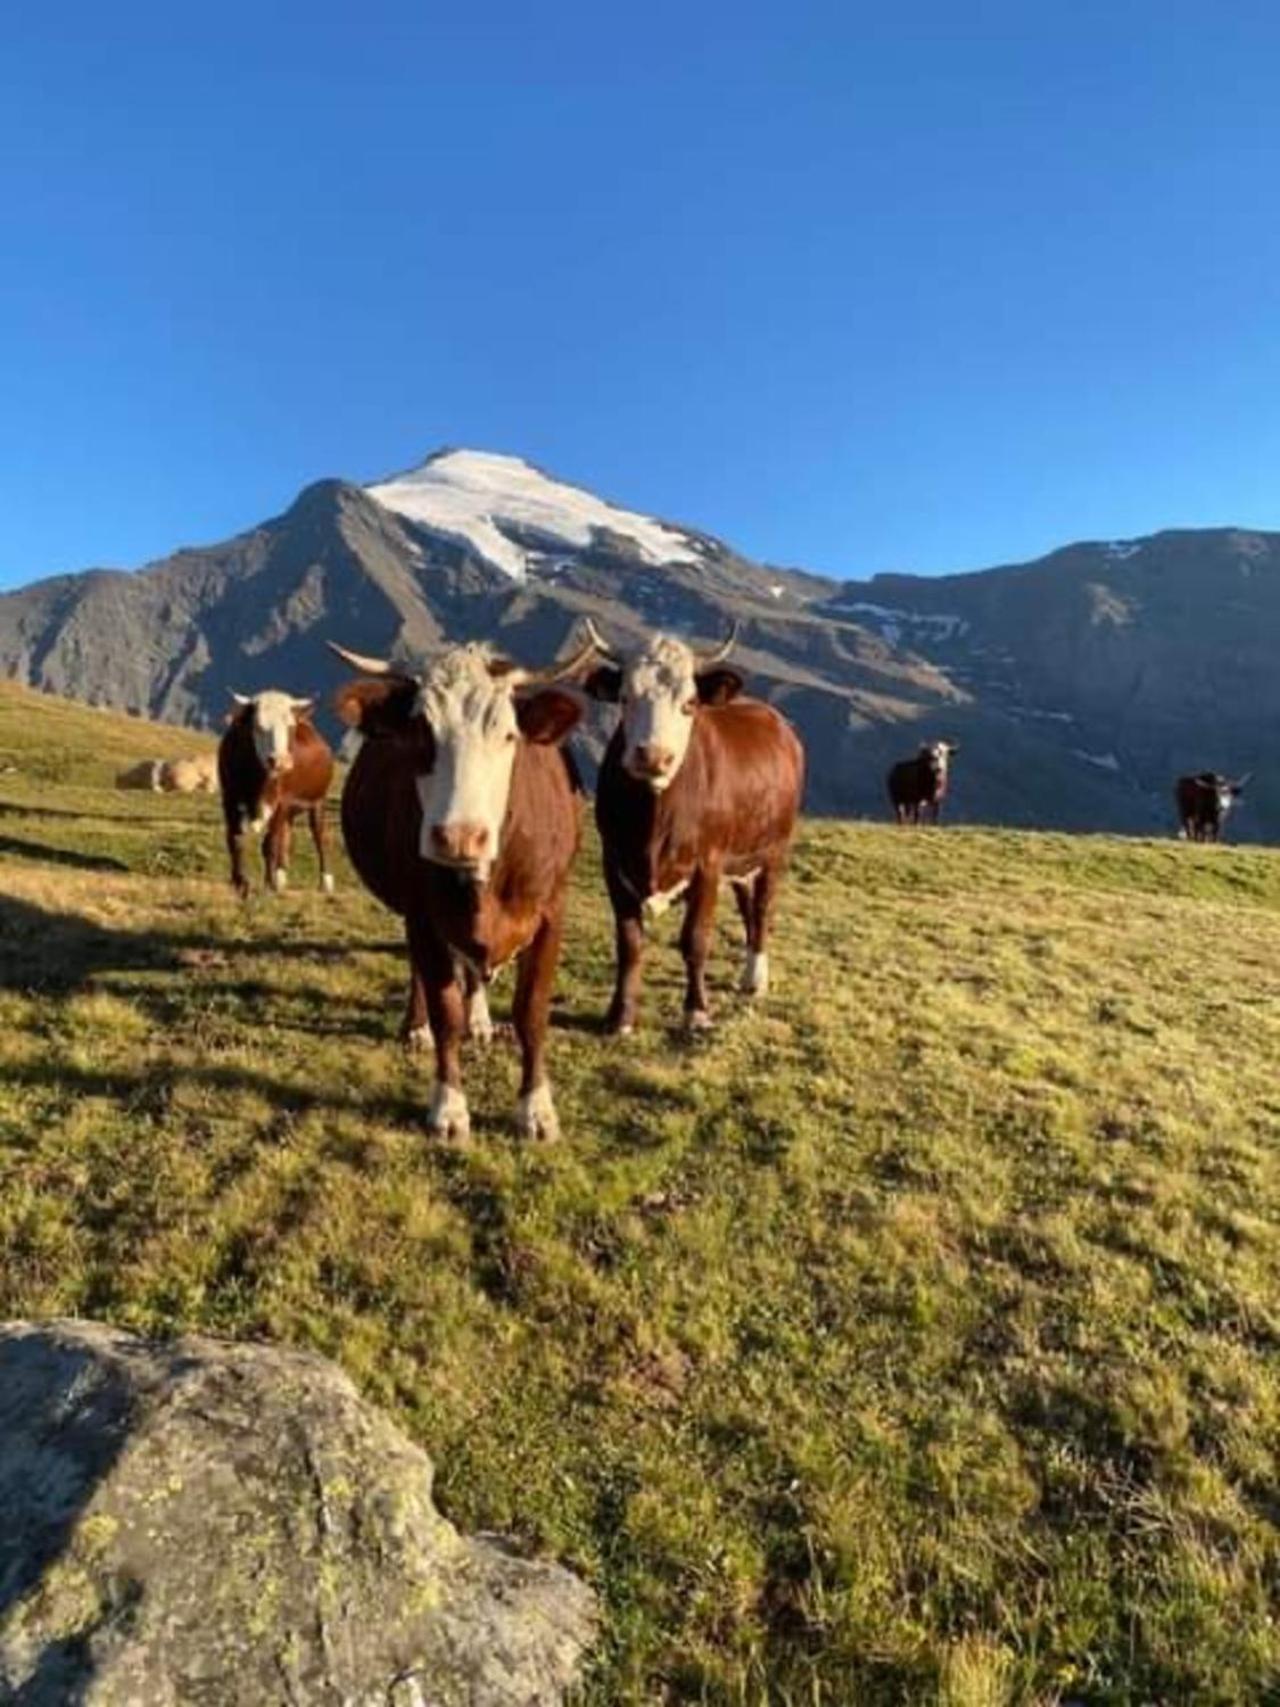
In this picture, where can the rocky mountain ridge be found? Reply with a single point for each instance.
(1077, 685)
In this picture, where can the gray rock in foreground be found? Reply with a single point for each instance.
(198, 1522)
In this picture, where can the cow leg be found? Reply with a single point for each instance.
(433, 965)
(235, 847)
(535, 979)
(695, 944)
(275, 850)
(628, 927)
(755, 972)
(744, 895)
(479, 1020)
(415, 1032)
(315, 817)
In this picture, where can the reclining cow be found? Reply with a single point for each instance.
(462, 814)
(696, 785)
(272, 766)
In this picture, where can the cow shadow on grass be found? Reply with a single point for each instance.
(19, 848)
(55, 952)
(136, 820)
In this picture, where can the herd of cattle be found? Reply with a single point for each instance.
(462, 813)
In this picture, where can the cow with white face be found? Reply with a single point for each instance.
(273, 766)
(917, 787)
(462, 813)
(697, 784)
(1205, 801)
(274, 717)
(466, 702)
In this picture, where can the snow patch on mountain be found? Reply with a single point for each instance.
(932, 626)
(490, 503)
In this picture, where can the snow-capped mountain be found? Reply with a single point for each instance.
(517, 519)
(1077, 685)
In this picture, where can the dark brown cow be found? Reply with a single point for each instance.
(917, 787)
(462, 814)
(696, 784)
(1204, 804)
(272, 765)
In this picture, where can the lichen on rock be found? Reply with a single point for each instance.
(222, 1524)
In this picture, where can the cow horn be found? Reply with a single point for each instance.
(553, 672)
(602, 646)
(359, 661)
(714, 654)
(240, 698)
(1246, 778)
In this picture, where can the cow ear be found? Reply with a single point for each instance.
(953, 746)
(604, 683)
(382, 707)
(719, 686)
(547, 717)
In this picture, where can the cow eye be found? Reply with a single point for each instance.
(690, 706)
(512, 735)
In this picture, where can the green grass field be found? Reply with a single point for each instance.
(913, 1338)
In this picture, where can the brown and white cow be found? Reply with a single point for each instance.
(917, 787)
(463, 814)
(272, 766)
(1204, 803)
(697, 784)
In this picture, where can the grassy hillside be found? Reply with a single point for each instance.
(913, 1338)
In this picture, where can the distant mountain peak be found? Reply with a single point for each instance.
(502, 507)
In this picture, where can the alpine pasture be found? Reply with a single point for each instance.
(914, 1336)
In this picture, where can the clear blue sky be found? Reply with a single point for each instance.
(912, 286)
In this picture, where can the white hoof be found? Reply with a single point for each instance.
(280, 880)
(448, 1117)
(755, 975)
(479, 1021)
(418, 1038)
(697, 1019)
(536, 1115)
(326, 882)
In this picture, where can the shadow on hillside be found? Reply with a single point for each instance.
(62, 952)
(41, 851)
(139, 820)
(147, 1090)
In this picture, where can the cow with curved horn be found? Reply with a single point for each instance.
(1204, 803)
(272, 767)
(463, 814)
(697, 784)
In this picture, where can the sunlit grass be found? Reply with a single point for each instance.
(912, 1338)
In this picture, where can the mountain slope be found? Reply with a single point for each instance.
(1138, 658)
(1077, 685)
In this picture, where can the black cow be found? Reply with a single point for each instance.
(919, 786)
(1204, 804)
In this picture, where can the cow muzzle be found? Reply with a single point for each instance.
(467, 846)
(651, 764)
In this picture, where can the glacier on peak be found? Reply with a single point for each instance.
(479, 499)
